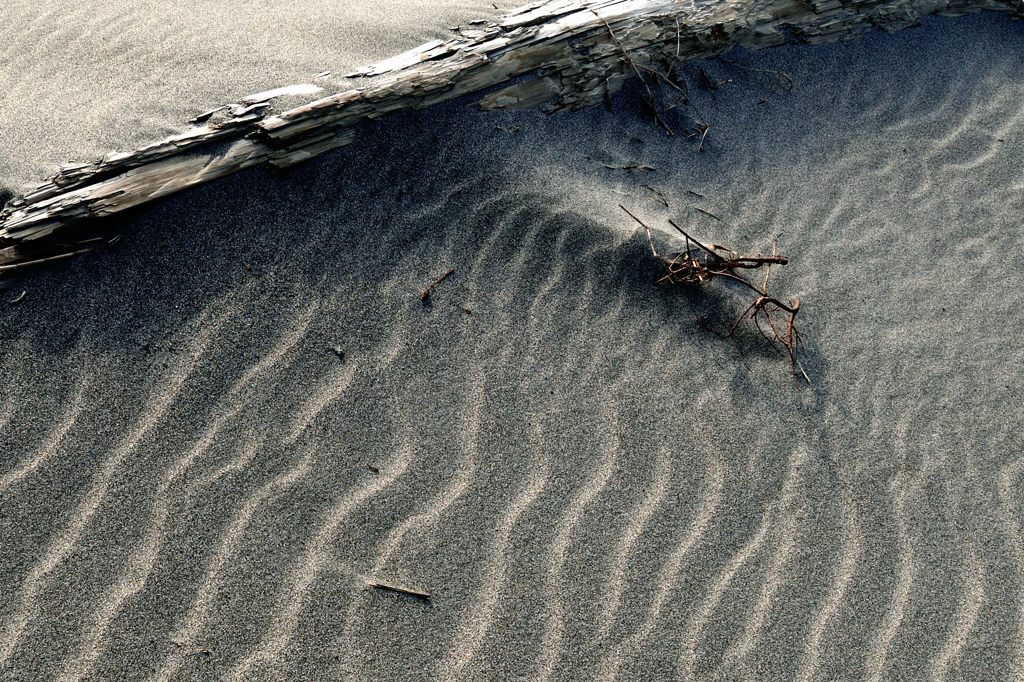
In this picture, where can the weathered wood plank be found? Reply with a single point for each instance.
(562, 54)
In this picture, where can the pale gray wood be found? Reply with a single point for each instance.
(557, 55)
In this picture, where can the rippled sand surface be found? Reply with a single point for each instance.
(216, 434)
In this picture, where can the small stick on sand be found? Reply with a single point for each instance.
(425, 294)
(705, 128)
(707, 213)
(19, 298)
(419, 594)
(662, 199)
(631, 167)
(712, 83)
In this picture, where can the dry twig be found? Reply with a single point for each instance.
(425, 294)
(649, 97)
(712, 83)
(662, 199)
(700, 264)
(631, 167)
(419, 594)
(705, 212)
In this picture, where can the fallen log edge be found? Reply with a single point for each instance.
(557, 55)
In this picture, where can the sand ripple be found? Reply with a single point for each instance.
(203, 465)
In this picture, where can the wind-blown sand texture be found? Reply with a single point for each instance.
(196, 485)
(560, 56)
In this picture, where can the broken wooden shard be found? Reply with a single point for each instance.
(557, 55)
(412, 592)
(300, 90)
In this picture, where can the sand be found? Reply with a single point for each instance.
(217, 433)
(83, 79)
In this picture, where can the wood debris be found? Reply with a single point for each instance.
(659, 195)
(699, 265)
(632, 167)
(299, 90)
(706, 212)
(409, 591)
(555, 56)
(425, 294)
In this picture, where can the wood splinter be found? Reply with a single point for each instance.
(411, 592)
(425, 294)
(631, 167)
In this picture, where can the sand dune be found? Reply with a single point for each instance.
(215, 434)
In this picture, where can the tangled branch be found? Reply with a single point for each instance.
(698, 265)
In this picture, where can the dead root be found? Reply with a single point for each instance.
(698, 265)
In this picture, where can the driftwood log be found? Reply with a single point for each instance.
(562, 54)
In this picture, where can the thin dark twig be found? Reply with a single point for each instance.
(707, 213)
(629, 59)
(662, 199)
(692, 239)
(425, 294)
(650, 240)
(683, 88)
(679, 32)
(703, 136)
